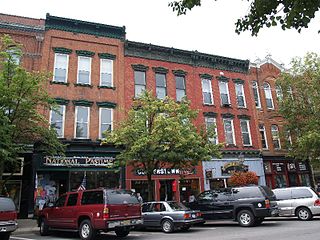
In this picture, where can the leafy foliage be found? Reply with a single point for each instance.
(239, 179)
(288, 14)
(160, 133)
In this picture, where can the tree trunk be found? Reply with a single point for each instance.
(1, 173)
(150, 187)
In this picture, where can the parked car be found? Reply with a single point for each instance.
(91, 212)
(169, 216)
(8, 217)
(302, 202)
(247, 205)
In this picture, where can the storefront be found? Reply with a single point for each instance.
(168, 183)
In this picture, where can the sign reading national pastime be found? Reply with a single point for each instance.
(167, 171)
(230, 167)
(60, 161)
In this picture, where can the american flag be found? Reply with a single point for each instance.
(83, 184)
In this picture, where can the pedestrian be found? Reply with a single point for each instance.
(140, 199)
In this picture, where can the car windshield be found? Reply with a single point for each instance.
(177, 206)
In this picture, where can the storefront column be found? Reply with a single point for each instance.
(157, 190)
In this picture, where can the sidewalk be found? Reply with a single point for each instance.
(26, 226)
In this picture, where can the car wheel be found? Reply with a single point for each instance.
(5, 236)
(245, 218)
(167, 226)
(86, 230)
(304, 214)
(122, 232)
(185, 228)
(44, 228)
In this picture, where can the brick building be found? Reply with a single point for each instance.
(274, 139)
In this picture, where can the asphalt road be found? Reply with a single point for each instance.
(282, 229)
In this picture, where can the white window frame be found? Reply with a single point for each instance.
(233, 132)
(63, 118)
(214, 140)
(55, 64)
(102, 60)
(255, 87)
(79, 57)
(278, 136)
(161, 87)
(75, 123)
(184, 89)
(243, 95)
(249, 132)
(267, 91)
(227, 88)
(265, 137)
(100, 120)
(135, 84)
(210, 91)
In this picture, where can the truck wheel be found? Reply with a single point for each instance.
(44, 228)
(304, 214)
(122, 232)
(86, 231)
(245, 218)
(5, 236)
(167, 226)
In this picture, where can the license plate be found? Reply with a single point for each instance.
(126, 222)
(3, 229)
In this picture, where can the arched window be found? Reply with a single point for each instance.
(275, 137)
(268, 94)
(256, 94)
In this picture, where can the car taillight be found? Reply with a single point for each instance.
(317, 202)
(105, 214)
(267, 203)
(186, 215)
(199, 214)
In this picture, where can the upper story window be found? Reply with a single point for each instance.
(229, 131)
(106, 72)
(139, 83)
(245, 131)
(60, 73)
(207, 91)
(180, 88)
(256, 94)
(57, 119)
(211, 123)
(241, 100)
(224, 93)
(268, 94)
(106, 120)
(263, 136)
(14, 56)
(288, 138)
(84, 70)
(290, 92)
(275, 137)
(279, 93)
(161, 85)
(82, 122)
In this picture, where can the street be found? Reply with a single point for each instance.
(281, 228)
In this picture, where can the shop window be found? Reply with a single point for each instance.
(256, 95)
(305, 180)
(84, 70)
(224, 93)
(60, 72)
(280, 181)
(161, 85)
(241, 100)
(142, 188)
(189, 189)
(207, 91)
(180, 88)
(268, 95)
(139, 83)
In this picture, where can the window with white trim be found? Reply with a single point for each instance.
(268, 94)
(241, 99)
(84, 70)
(161, 85)
(256, 94)
(245, 131)
(224, 93)
(211, 123)
(207, 91)
(106, 120)
(139, 83)
(263, 136)
(275, 137)
(60, 72)
(106, 72)
(180, 88)
(57, 119)
(229, 131)
(82, 122)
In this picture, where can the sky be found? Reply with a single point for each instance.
(208, 29)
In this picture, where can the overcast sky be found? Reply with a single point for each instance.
(208, 29)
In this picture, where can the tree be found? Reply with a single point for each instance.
(239, 179)
(300, 106)
(22, 94)
(160, 133)
(288, 14)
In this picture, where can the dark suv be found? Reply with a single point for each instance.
(8, 217)
(247, 205)
(91, 212)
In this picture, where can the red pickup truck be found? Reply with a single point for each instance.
(91, 212)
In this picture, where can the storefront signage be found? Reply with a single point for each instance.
(291, 167)
(302, 166)
(230, 167)
(278, 167)
(167, 171)
(59, 161)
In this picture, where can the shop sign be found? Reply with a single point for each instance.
(291, 167)
(167, 171)
(302, 166)
(59, 161)
(278, 167)
(236, 166)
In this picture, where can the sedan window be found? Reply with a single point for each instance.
(146, 207)
(158, 207)
(177, 206)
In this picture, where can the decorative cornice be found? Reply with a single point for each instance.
(160, 70)
(62, 50)
(227, 115)
(206, 76)
(179, 72)
(82, 102)
(107, 56)
(244, 117)
(22, 27)
(210, 114)
(222, 78)
(106, 104)
(140, 67)
(61, 101)
(238, 80)
(85, 53)
(77, 26)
